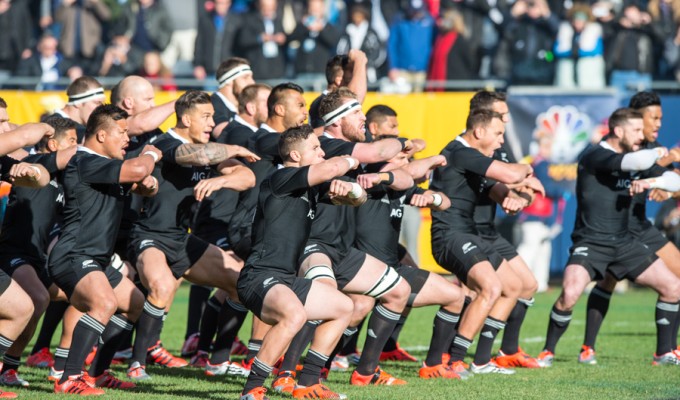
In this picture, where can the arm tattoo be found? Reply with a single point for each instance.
(201, 154)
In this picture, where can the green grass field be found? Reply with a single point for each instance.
(625, 348)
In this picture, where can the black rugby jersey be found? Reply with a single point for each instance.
(485, 211)
(463, 181)
(602, 194)
(169, 212)
(224, 110)
(638, 221)
(94, 206)
(379, 222)
(286, 207)
(31, 213)
(334, 225)
(238, 132)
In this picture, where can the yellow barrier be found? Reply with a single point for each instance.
(435, 117)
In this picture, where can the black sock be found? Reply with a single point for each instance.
(60, 356)
(459, 348)
(209, 324)
(559, 322)
(126, 342)
(253, 348)
(510, 343)
(443, 332)
(598, 304)
(113, 335)
(466, 304)
(258, 373)
(198, 297)
(486, 337)
(298, 346)
(392, 341)
(665, 316)
(10, 362)
(311, 371)
(51, 319)
(229, 322)
(85, 335)
(5, 344)
(148, 325)
(350, 346)
(380, 326)
(348, 336)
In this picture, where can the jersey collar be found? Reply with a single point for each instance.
(607, 146)
(90, 151)
(176, 136)
(242, 121)
(268, 128)
(227, 103)
(62, 113)
(463, 141)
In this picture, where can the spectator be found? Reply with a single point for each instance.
(216, 40)
(316, 41)
(359, 34)
(529, 34)
(118, 60)
(262, 40)
(157, 73)
(47, 64)
(410, 45)
(665, 17)
(579, 51)
(452, 56)
(184, 17)
(81, 31)
(630, 56)
(147, 25)
(15, 40)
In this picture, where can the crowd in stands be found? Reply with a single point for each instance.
(567, 43)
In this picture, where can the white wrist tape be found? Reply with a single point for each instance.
(437, 199)
(356, 191)
(152, 154)
(351, 162)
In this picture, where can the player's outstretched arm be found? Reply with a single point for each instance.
(25, 135)
(137, 169)
(234, 176)
(669, 181)
(29, 175)
(331, 168)
(396, 179)
(642, 159)
(508, 173)
(419, 169)
(379, 151)
(147, 187)
(64, 156)
(199, 155)
(150, 119)
(431, 199)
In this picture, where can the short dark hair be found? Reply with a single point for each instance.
(189, 100)
(278, 94)
(291, 137)
(333, 100)
(249, 94)
(115, 94)
(61, 126)
(229, 64)
(336, 65)
(484, 99)
(482, 118)
(621, 117)
(82, 85)
(3, 103)
(102, 117)
(379, 112)
(641, 100)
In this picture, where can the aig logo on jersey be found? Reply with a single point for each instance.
(623, 183)
(396, 213)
